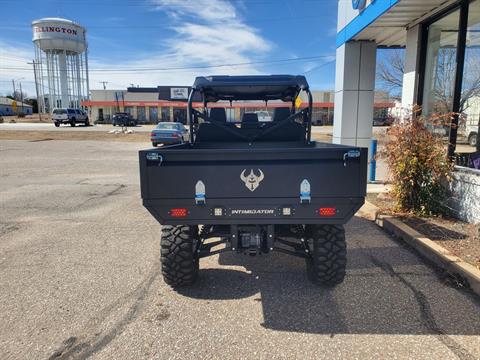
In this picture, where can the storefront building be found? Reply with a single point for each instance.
(441, 70)
(169, 103)
(441, 75)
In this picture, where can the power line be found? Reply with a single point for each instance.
(130, 26)
(318, 67)
(127, 70)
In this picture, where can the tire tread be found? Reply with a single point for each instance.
(329, 254)
(179, 266)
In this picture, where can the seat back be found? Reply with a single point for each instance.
(208, 132)
(281, 113)
(249, 121)
(218, 114)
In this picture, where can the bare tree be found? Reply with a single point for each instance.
(390, 71)
(471, 77)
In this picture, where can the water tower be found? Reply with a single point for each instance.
(61, 63)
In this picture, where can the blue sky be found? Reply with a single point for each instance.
(128, 34)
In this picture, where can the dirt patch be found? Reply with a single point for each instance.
(322, 137)
(460, 238)
(42, 135)
(72, 135)
(46, 118)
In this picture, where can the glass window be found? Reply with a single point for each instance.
(165, 114)
(440, 65)
(169, 126)
(180, 115)
(153, 114)
(141, 113)
(470, 95)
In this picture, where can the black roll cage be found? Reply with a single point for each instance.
(193, 115)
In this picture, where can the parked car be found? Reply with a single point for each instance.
(263, 116)
(383, 121)
(469, 133)
(169, 133)
(123, 119)
(69, 116)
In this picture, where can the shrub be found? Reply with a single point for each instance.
(419, 167)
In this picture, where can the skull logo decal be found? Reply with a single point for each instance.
(251, 180)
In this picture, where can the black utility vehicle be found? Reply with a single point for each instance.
(123, 119)
(252, 187)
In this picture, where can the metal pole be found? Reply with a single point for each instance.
(86, 73)
(21, 95)
(478, 135)
(310, 110)
(372, 166)
(190, 114)
(36, 90)
(14, 95)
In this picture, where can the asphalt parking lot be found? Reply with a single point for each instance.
(79, 278)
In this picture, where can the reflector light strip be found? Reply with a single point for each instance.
(178, 212)
(327, 211)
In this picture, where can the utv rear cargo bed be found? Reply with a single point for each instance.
(336, 175)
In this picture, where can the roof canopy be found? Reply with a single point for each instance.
(252, 87)
(386, 21)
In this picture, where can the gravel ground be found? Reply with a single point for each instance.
(79, 277)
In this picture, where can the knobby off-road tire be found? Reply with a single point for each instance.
(179, 262)
(328, 250)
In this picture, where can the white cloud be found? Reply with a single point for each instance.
(15, 56)
(207, 10)
(206, 33)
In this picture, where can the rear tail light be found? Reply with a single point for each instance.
(327, 211)
(152, 134)
(175, 135)
(178, 212)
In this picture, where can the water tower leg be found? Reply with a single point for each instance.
(62, 65)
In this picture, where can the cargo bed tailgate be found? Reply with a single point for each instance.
(272, 175)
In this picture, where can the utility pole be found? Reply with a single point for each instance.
(21, 95)
(36, 90)
(478, 135)
(104, 84)
(14, 90)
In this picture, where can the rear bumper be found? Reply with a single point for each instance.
(164, 140)
(264, 211)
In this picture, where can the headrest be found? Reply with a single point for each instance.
(218, 114)
(281, 113)
(250, 118)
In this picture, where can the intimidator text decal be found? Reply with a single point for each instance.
(252, 212)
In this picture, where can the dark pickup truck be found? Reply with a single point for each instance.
(252, 187)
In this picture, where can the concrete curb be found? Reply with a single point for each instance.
(423, 245)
